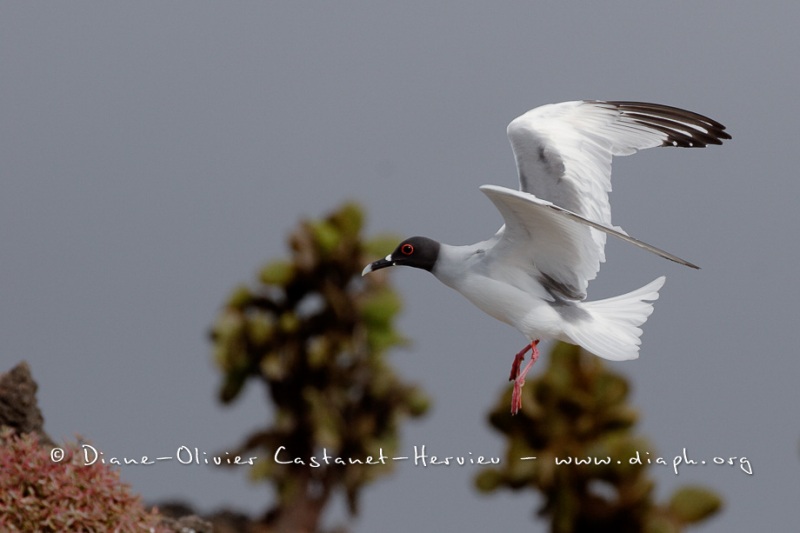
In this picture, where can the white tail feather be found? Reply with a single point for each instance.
(613, 331)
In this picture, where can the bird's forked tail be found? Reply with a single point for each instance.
(613, 330)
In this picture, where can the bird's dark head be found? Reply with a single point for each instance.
(417, 252)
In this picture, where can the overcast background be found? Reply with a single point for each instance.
(155, 154)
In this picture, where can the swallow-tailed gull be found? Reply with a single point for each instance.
(533, 273)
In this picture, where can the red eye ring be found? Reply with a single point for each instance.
(407, 249)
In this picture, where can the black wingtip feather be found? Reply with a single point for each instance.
(683, 128)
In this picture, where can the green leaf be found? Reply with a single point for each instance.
(288, 322)
(272, 367)
(276, 273)
(381, 245)
(240, 297)
(381, 339)
(260, 328)
(326, 235)
(234, 381)
(380, 307)
(489, 480)
(418, 402)
(349, 219)
(693, 504)
(661, 524)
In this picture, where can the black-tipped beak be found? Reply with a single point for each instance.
(377, 265)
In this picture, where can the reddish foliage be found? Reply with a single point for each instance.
(38, 493)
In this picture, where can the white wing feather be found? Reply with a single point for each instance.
(555, 239)
(563, 154)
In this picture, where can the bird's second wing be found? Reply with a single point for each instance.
(558, 242)
(563, 151)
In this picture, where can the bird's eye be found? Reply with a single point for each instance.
(407, 249)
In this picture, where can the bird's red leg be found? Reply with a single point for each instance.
(519, 377)
(518, 361)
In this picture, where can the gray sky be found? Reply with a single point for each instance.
(155, 154)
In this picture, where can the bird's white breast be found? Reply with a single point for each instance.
(505, 292)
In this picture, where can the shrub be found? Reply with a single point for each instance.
(38, 493)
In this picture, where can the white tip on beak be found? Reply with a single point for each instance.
(380, 263)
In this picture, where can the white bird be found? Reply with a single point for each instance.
(533, 273)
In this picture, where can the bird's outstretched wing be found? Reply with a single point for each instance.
(557, 241)
(563, 154)
(563, 151)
